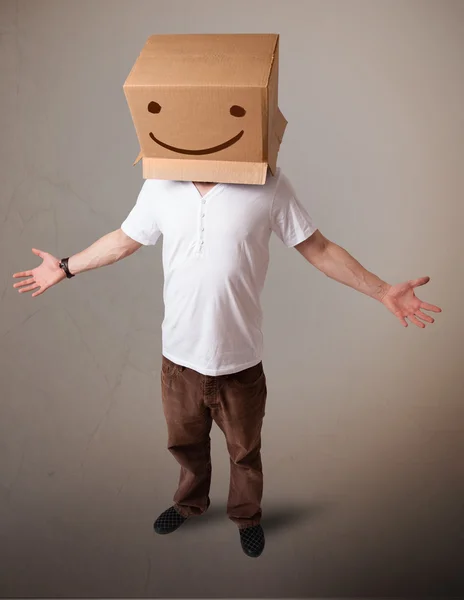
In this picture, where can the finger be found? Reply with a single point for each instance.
(431, 307)
(403, 321)
(23, 282)
(38, 292)
(29, 288)
(424, 317)
(419, 281)
(413, 319)
(38, 252)
(23, 274)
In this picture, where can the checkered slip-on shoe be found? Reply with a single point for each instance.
(168, 521)
(252, 540)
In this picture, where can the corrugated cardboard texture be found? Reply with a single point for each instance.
(217, 171)
(205, 106)
(276, 121)
(191, 60)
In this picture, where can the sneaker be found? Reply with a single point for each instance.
(169, 521)
(252, 540)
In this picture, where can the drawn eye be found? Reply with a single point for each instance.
(237, 111)
(154, 108)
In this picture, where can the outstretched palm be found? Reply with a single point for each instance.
(48, 273)
(401, 300)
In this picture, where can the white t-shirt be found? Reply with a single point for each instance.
(215, 260)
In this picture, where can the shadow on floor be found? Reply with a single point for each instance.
(289, 514)
(274, 518)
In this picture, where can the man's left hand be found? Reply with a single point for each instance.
(404, 304)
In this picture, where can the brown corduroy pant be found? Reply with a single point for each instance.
(191, 402)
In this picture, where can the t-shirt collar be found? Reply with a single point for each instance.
(214, 190)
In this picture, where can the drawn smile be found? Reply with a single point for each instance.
(202, 151)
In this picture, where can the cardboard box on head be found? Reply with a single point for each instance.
(205, 107)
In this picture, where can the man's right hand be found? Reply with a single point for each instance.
(43, 277)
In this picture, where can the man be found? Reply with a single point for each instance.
(215, 259)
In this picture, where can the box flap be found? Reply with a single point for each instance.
(139, 157)
(278, 130)
(219, 171)
(280, 124)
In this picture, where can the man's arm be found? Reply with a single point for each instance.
(105, 251)
(335, 262)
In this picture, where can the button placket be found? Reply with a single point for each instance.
(202, 226)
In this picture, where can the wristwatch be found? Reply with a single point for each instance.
(64, 265)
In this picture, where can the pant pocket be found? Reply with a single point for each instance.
(248, 377)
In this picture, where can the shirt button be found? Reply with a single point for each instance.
(203, 201)
(202, 228)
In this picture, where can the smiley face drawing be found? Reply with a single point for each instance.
(235, 111)
(205, 107)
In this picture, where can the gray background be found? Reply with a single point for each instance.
(363, 437)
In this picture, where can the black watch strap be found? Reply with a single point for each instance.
(64, 266)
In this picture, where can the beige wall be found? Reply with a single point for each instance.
(363, 438)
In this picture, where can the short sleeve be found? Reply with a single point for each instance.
(289, 218)
(140, 224)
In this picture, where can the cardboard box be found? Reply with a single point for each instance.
(205, 107)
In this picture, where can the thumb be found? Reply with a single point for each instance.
(419, 281)
(38, 252)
